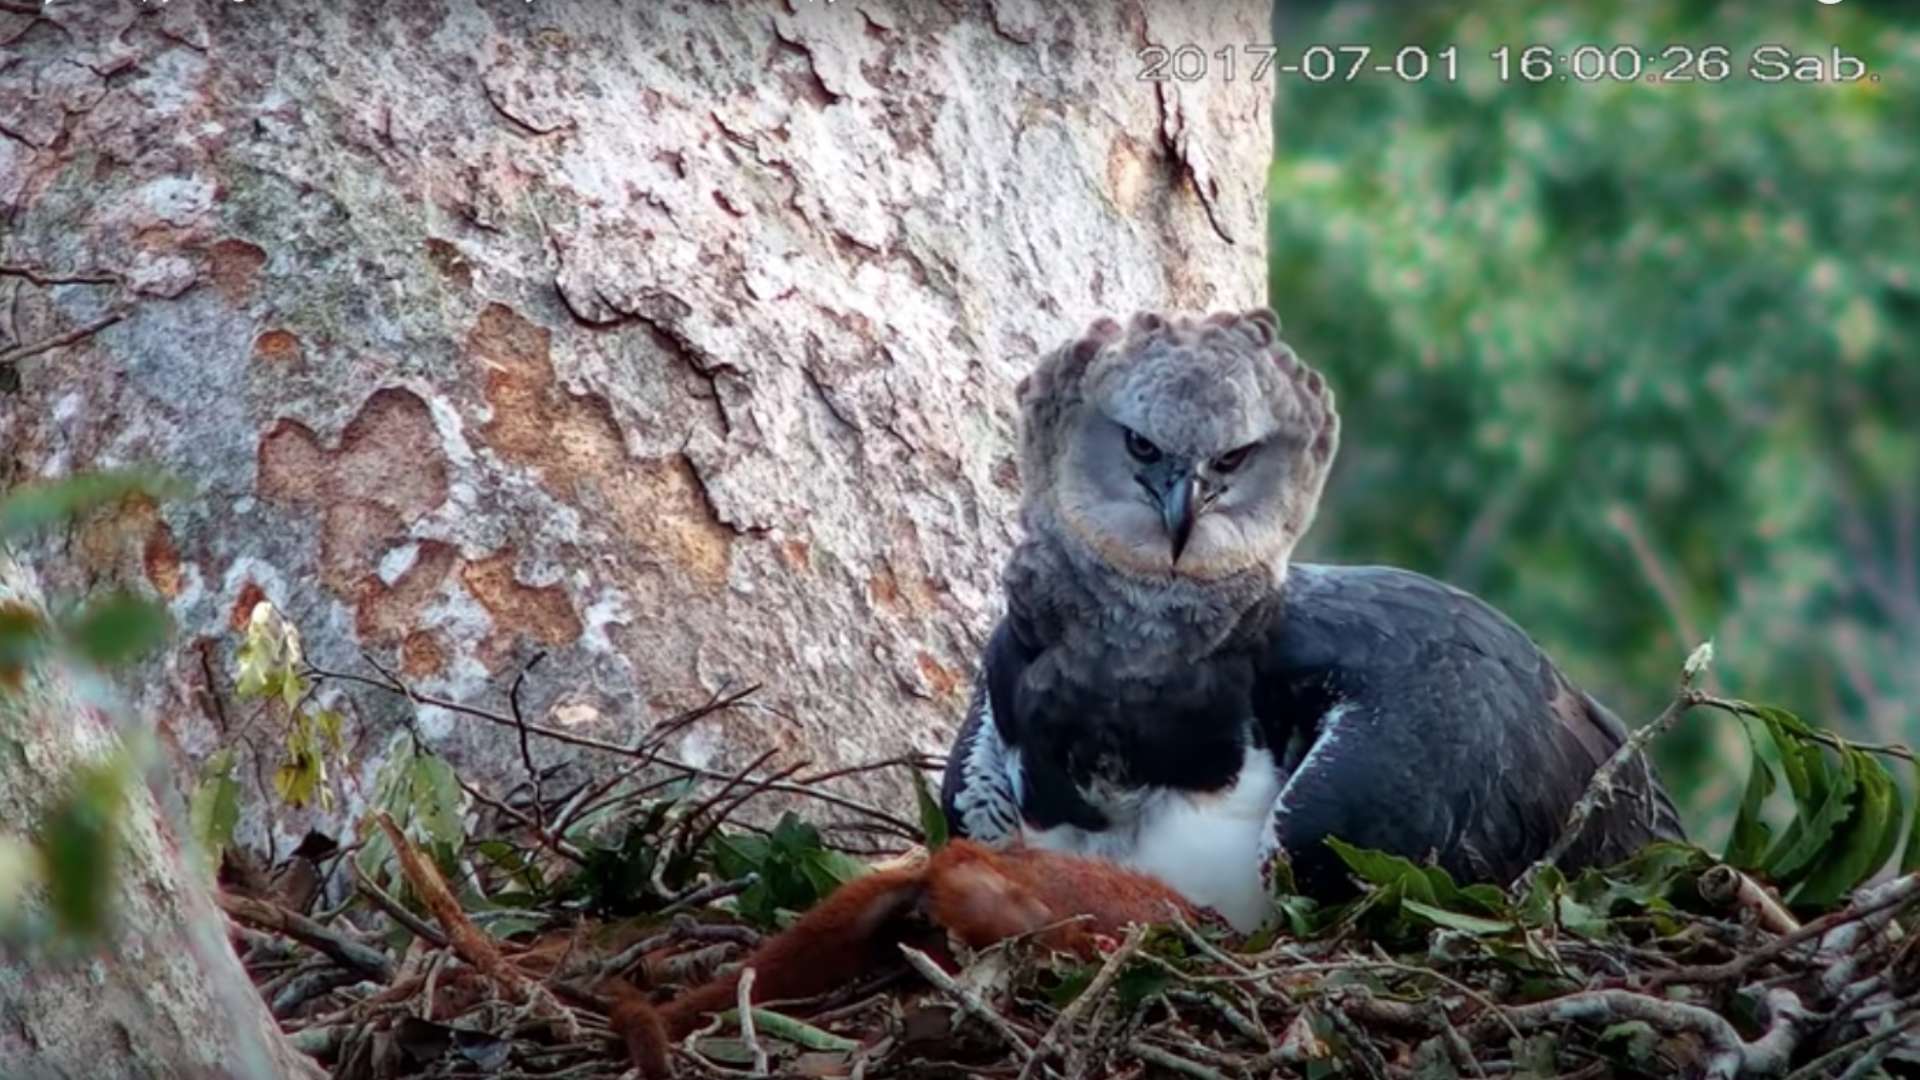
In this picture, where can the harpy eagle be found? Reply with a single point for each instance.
(1168, 692)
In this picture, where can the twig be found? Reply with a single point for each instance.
(1741, 708)
(44, 278)
(683, 929)
(78, 334)
(1146, 1051)
(721, 814)
(1862, 907)
(781, 1026)
(526, 755)
(966, 999)
(556, 844)
(1727, 1054)
(394, 685)
(1869, 1047)
(395, 909)
(1102, 982)
(1600, 788)
(1725, 885)
(744, 1010)
(473, 946)
(708, 893)
(367, 961)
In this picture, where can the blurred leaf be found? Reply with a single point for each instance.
(1634, 1040)
(328, 722)
(297, 780)
(933, 820)
(117, 628)
(35, 505)
(1140, 982)
(80, 848)
(23, 640)
(438, 800)
(214, 808)
(19, 869)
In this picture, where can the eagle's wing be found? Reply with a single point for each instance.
(1423, 722)
(980, 793)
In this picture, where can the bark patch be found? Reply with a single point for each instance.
(386, 614)
(235, 265)
(279, 347)
(542, 612)
(574, 443)
(251, 594)
(161, 560)
(389, 455)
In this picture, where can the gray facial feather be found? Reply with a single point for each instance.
(1197, 391)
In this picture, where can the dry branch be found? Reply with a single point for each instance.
(364, 959)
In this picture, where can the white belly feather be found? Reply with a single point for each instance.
(1205, 844)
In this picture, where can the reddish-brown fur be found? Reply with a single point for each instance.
(978, 895)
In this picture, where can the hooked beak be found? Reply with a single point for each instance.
(1178, 509)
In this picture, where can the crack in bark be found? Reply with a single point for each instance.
(820, 391)
(44, 278)
(527, 126)
(1174, 135)
(1001, 28)
(78, 334)
(818, 92)
(713, 508)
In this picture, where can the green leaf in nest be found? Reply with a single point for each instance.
(1910, 858)
(1830, 799)
(116, 628)
(933, 821)
(1748, 844)
(1862, 837)
(1633, 1040)
(1454, 920)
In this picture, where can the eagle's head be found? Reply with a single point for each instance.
(1179, 448)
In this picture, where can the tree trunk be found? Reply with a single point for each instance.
(674, 340)
(164, 996)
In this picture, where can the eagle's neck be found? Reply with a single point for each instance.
(1127, 627)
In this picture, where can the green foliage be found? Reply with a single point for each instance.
(269, 666)
(1405, 902)
(1584, 333)
(214, 808)
(419, 790)
(618, 879)
(1847, 816)
(794, 869)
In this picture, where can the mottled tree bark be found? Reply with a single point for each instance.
(163, 994)
(675, 340)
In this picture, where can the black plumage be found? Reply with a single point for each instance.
(1401, 714)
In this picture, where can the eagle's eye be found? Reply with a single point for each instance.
(1232, 459)
(1141, 448)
